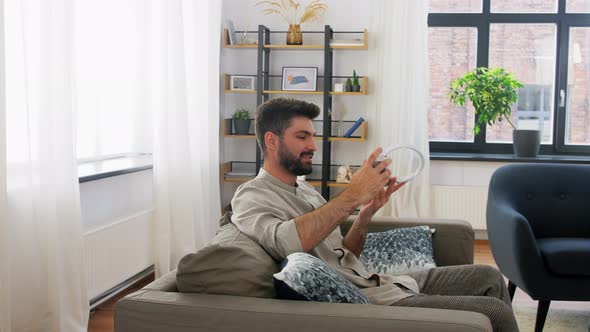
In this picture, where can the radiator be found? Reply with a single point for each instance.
(467, 203)
(117, 252)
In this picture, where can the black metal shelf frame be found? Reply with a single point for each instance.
(263, 84)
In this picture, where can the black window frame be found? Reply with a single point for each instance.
(482, 22)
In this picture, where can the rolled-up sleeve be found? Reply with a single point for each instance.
(257, 213)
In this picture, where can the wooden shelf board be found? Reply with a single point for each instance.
(314, 183)
(239, 91)
(251, 46)
(295, 47)
(362, 93)
(293, 92)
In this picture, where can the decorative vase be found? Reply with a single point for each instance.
(294, 35)
(356, 88)
(526, 142)
(242, 127)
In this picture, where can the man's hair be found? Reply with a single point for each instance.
(275, 116)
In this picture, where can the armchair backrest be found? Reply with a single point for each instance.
(554, 198)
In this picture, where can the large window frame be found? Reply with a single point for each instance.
(482, 22)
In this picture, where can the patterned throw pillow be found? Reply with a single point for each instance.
(399, 251)
(307, 278)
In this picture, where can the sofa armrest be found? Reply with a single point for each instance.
(151, 310)
(452, 242)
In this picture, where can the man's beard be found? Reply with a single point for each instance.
(292, 163)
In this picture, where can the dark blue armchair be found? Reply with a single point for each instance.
(538, 220)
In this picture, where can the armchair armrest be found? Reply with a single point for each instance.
(151, 310)
(452, 242)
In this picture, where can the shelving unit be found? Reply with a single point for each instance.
(228, 132)
(313, 179)
(267, 84)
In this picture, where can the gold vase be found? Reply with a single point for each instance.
(294, 35)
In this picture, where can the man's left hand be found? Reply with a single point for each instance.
(381, 198)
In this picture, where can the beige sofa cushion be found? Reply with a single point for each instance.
(232, 264)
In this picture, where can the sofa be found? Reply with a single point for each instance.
(159, 306)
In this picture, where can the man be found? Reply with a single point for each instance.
(286, 215)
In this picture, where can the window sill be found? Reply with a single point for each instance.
(509, 158)
(96, 170)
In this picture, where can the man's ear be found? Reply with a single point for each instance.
(271, 140)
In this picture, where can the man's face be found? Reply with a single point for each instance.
(297, 146)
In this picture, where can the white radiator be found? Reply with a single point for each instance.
(467, 203)
(117, 252)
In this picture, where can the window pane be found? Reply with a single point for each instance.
(452, 53)
(577, 129)
(454, 6)
(577, 6)
(528, 52)
(524, 6)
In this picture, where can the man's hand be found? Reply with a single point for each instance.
(381, 198)
(369, 181)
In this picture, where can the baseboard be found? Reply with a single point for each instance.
(114, 291)
(481, 234)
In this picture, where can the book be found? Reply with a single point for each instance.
(354, 127)
(231, 31)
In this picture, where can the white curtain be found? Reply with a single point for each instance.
(43, 286)
(109, 39)
(184, 89)
(398, 72)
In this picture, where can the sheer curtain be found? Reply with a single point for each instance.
(398, 68)
(43, 283)
(184, 97)
(109, 39)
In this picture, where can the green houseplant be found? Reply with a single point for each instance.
(348, 85)
(356, 86)
(241, 120)
(493, 91)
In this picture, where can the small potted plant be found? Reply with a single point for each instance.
(241, 120)
(356, 86)
(492, 92)
(348, 85)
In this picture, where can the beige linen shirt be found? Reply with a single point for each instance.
(265, 209)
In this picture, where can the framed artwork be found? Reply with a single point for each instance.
(299, 78)
(231, 32)
(242, 82)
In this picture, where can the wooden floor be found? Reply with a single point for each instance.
(101, 319)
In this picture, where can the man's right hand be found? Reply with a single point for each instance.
(368, 181)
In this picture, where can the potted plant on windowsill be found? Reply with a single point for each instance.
(241, 120)
(492, 92)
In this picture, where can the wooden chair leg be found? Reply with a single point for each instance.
(542, 310)
(511, 289)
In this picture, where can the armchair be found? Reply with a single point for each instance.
(538, 221)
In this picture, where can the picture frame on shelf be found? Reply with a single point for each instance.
(299, 79)
(240, 82)
(231, 32)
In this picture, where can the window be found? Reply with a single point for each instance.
(544, 43)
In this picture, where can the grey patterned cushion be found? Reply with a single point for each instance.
(399, 251)
(305, 277)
